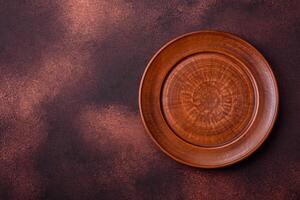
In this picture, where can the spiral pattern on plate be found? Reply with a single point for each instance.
(208, 99)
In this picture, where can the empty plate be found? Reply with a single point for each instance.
(208, 99)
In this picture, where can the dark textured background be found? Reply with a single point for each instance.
(69, 121)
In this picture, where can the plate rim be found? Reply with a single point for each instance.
(248, 153)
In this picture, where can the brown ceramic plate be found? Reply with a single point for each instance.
(208, 99)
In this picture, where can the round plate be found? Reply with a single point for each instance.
(208, 99)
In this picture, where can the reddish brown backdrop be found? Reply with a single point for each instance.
(69, 121)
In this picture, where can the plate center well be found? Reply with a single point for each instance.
(208, 99)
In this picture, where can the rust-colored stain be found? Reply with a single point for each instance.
(69, 122)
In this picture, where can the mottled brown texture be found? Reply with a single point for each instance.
(69, 122)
